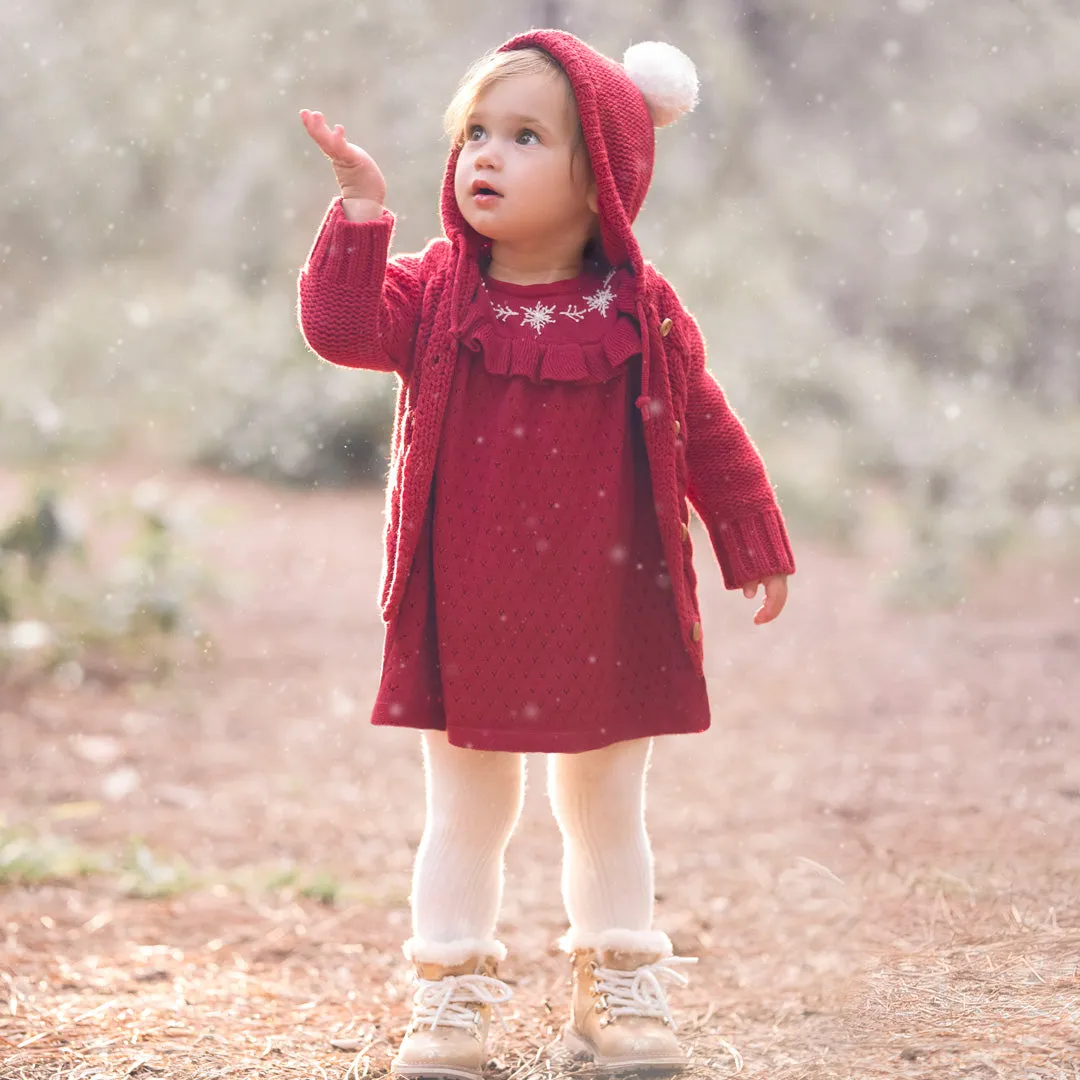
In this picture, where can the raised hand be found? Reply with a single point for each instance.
(357, 174)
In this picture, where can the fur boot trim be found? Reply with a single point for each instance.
(646, 941)
(451, 953)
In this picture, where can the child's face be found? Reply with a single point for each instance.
(518, 179)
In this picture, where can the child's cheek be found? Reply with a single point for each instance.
(461, 170)
(460, 191)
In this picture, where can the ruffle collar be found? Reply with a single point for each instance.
(582, 329)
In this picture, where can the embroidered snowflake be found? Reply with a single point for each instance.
(503, 312)
(538, 316)
(575, 313)
(603, 298)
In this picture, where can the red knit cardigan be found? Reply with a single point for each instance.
(359, 309)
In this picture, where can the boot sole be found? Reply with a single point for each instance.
(575, 1044)
(433, 1072)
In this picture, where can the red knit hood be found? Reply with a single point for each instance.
(618, 134)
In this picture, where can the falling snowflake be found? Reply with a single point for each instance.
(538, 316)
(575, 313)
(603, 298)
(503, 312)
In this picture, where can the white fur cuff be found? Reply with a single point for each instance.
(647, 941)
(452, 953)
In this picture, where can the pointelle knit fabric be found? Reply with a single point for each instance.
(552, 627)
(416, 316)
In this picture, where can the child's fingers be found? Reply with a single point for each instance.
(314, 124)
(338, 141)
(318, 128)
(750, 591)
(775, 598)
(331, 140)
(764, 614)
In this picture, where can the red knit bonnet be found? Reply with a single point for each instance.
(618, 113)
(618, 131)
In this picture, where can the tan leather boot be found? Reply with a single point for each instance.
(619, 1016)
(452, 1009)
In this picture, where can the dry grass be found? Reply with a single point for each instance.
(290, 989)
(872, 852)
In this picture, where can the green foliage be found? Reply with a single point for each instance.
(323, 887)
(32, 858)
(149, 875)
(28, 859)
(65, 607)
(857, 439)
(873, 212)
(35, 857)
(248, 396)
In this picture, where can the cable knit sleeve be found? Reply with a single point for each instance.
(727, 482)
(357, 308)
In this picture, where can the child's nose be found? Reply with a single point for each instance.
(488, 157)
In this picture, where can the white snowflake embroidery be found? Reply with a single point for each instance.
(575, 313)
(503, 312)
(603, 298)
(538, 316)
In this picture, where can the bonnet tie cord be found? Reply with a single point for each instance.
(644, 400)
(466, 274)
(459, 268)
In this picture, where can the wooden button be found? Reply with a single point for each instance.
(665, 327)
(695, 631)
(678, 427)
(685, 532)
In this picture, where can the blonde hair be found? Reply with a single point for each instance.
(496, 67)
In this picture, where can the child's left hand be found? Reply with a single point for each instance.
(775, 597)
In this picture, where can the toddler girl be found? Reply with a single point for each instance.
(555, 420)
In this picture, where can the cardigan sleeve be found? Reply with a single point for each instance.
(356, 307)
(727, 483)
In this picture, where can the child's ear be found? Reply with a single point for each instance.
(591, 198)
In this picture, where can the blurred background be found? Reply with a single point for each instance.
(874, 212)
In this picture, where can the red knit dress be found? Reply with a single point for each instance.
(589, 652)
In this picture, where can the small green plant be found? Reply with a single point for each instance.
(29, 859)
(323, 887)
(63, 610)
(284, 877)
(149, 876)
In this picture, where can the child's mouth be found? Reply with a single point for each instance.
(483, 194)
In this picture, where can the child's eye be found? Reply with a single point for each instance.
(474, 132)
(528, 138)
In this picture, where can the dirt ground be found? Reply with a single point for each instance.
(873, 852)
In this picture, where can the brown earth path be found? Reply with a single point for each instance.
(873, 852)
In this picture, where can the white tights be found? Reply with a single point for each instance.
(474, 799)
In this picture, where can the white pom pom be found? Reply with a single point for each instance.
(667, 78)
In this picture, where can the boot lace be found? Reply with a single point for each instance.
(448, 1001)
(640, 992)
